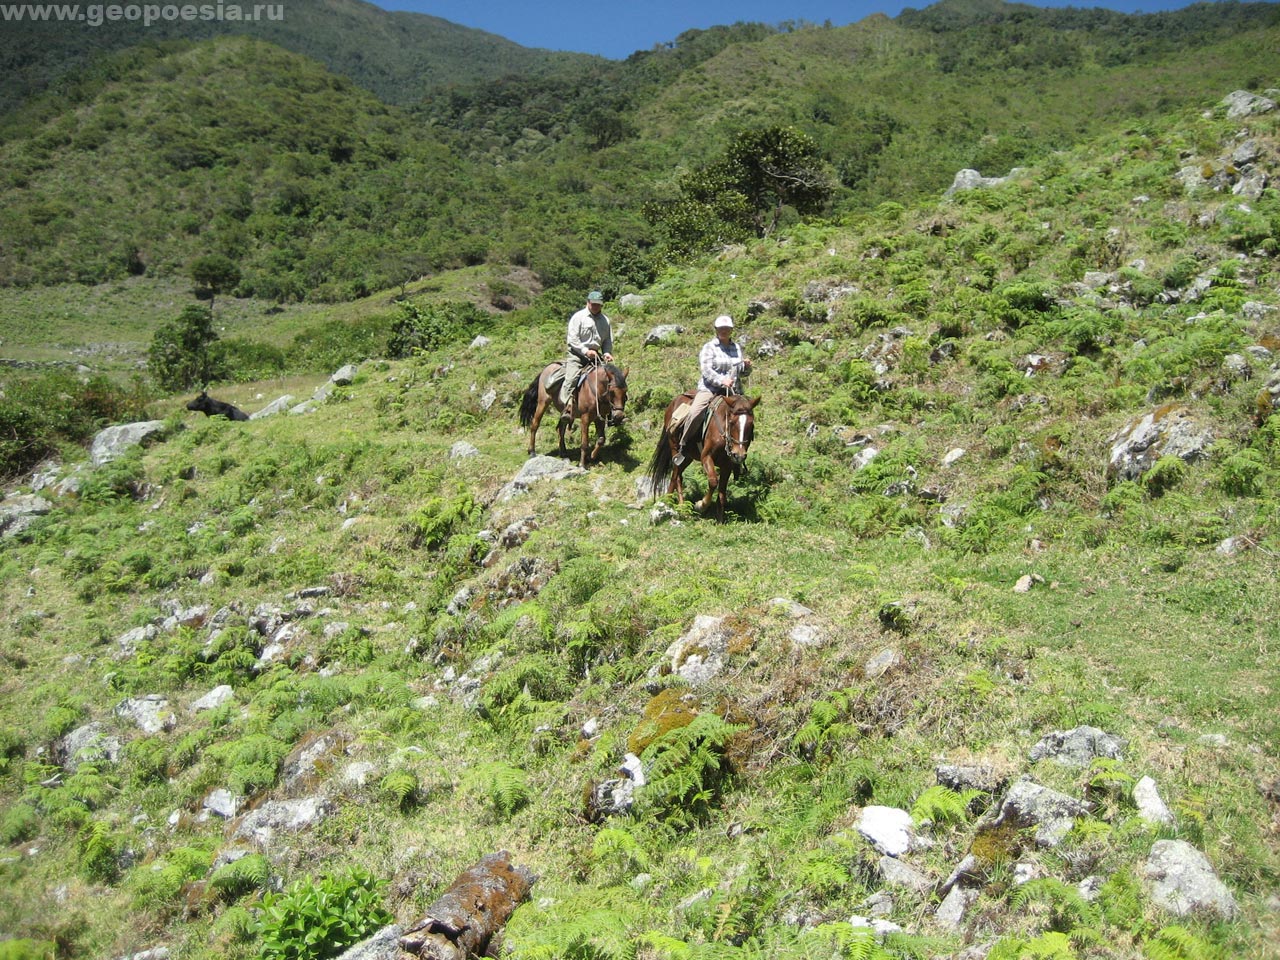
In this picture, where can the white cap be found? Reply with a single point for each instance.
(724, 320)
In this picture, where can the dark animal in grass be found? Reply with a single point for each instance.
(216, 408)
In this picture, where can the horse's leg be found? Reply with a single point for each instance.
(601, 438)
(677, 472)
(537, 419)
(713, 482)
(562, 425)
(584, 422)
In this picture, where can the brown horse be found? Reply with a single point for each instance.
(722, 448)
(601, 399)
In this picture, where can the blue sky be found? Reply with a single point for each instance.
(619, 29)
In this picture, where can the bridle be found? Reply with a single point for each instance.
(741, 439)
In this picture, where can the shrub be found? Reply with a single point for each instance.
(427, 327)
(315, 919)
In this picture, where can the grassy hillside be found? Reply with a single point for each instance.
(492, 660)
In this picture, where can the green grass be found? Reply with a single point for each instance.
(1137, 626)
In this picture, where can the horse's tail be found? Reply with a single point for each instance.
(529, 405)
(660, 465)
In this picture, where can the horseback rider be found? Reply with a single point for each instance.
(723, 364)
(590, 340)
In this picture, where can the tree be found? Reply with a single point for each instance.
(179, 355)
(744, 192)
(214, 274)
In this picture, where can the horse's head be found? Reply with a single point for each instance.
(740, 426)
(613, 394)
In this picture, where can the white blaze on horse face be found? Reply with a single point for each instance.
(742, 429)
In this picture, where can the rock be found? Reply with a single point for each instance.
(213, 699)
(662, 333)
(462, 451)
(883, 662)
(154, 953)
(115, 441)
(973, 180)
(359, 774)
(1171, 430)
(151, 713)
(953, 455)
(535, 469)
(89, 744)
(792, 609)
(303, 408)
(383, 945)
(310, 761)
(951, 911)
(480, 342)
(489, 398)
(1183, 881)
(274, 407)
(18, 512)
(629, 301)
(1028, 804)
(281, 816)
(806, 635)
(1078, 747)
(1242, 103)
(129, 640)
(878, 926)
(1026, 582)
(895, 873)
(888, 829)
(1232, 546)
(223, 803)
(1150, 806)
(698, 656)
(344, 376)
(971, 776)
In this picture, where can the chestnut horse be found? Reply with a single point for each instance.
(601, 399)
(722, 448)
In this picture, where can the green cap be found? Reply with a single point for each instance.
(595, 296)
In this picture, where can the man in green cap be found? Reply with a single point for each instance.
(590, 340)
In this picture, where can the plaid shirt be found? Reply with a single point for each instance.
(721, 366)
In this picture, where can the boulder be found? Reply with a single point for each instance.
(20, 511)
(662, 334)
(888, 829)
(274, 407)
(1078, 747)
(698, 655)
(1183, 881)
(344, 376)
(113, 442)
(1171, 430)
(1028, 805)
(535, 469)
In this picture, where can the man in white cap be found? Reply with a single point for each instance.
(590, 340)
(723, 365)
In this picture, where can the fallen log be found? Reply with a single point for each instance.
(465, 918)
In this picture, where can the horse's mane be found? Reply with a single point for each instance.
(618, 375)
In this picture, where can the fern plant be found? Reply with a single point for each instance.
(1068, 910)
(402, 788)
(502, 785)
(99, 850)
(827, 725)
(942, 805)
(620, 850)
(1179, 943)
(686, 766)
(231, 881)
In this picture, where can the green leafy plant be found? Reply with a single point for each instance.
(239, 877)
(942, 805)
(401, 787)
(314, 919)
(505, 787)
